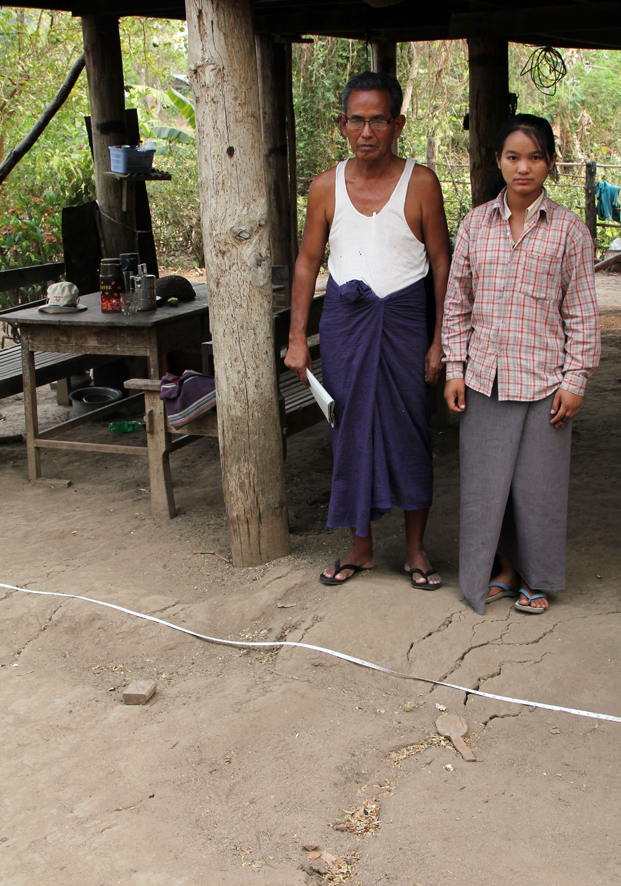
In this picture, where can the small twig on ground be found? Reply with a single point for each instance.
(291, 677)
(214, 554)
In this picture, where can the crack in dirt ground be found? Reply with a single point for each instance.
(310, 743)
(43, 628)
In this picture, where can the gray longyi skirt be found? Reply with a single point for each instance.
(514, 469)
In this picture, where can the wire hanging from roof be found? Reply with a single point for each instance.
(546, 68)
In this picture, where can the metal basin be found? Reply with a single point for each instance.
(87, 399)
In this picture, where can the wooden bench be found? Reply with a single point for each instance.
(298, 411)
(49, 367)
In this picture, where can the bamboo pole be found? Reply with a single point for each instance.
(25, 145)
(223, 75)
(590, 212)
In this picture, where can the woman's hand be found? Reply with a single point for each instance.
(434, 364)
(455, 394)
(565, 406)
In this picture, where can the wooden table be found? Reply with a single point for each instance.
(148, 334)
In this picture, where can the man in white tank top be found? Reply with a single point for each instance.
(384, 219)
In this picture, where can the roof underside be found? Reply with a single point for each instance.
(580, 24)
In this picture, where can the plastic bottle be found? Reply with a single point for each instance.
(125, 427)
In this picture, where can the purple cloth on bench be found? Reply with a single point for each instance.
(187, 396)
(373, 360)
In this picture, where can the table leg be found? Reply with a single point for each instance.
(156, 358)
(159, 440)
(30, 412)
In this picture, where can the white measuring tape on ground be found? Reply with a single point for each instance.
(350, 658)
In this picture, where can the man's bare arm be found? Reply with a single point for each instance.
(314, 239)
(436, 239)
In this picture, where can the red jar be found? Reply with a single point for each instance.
(111, 284)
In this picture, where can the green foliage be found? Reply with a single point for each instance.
(320, 71)
(183, 105)
(38, 48)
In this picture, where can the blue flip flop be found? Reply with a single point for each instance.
(532, 610)
(504, 592)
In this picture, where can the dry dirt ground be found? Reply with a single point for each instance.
(244, 762)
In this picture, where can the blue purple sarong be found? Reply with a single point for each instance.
(373, 361)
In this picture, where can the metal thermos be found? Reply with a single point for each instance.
(129, 266)
(110, 284)
(145, 292)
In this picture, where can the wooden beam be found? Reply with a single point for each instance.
(272, 69)
(104, 69)
(18, 277)
(579, 25)
(546, 19)
(223, 74)
(488, 61)
(607, 262)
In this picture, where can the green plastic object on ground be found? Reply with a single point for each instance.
(125, 427)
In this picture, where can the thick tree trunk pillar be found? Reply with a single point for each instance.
(488, 60)
(223, 74)
(293, 152)
(384, 61)
(272, 69)
(104, 69)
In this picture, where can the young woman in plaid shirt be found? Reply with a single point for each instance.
(521, 336)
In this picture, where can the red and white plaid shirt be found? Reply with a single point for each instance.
(525, 312)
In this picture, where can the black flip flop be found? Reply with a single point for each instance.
(338, 568)
(424, 585)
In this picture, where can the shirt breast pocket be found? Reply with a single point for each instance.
(540, 275)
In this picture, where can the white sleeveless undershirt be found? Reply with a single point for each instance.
(380, 250)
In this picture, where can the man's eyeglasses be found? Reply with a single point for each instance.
(377, 124)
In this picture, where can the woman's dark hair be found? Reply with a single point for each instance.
(536, 128)
(370, 81)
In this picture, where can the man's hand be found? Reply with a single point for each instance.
(565, 406)
(298, 359)
(434, 364)
(455, 394)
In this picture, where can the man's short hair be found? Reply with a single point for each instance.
(369, 81)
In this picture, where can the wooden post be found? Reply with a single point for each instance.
(292, 151)
(104, 69)
(272, 68)
(488, 59)
(223, 74)
(384, 61)
(30, 410)
(384, 58)
(432, 153)
(590, 212)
